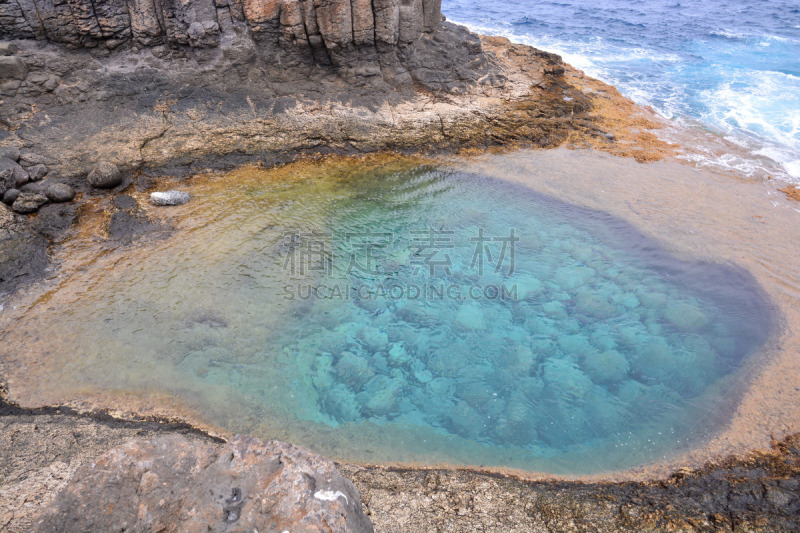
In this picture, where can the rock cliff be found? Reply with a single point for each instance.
(324, 32)
(326, 26)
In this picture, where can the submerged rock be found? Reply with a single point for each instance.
(470, 316)
(686, 317)
(173, 484)
(607, 367)
(170, 198)
(353, 370)
(23, 253)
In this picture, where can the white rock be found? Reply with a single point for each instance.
(170, 198)
(330, 496)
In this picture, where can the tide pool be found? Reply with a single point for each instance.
(395, 311)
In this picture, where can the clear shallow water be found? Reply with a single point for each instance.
(346, 309)
(732, 66)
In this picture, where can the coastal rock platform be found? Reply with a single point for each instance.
(169, 88)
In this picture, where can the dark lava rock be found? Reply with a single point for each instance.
(170, 198)
(8, 49)
(124, 201)
(28, 202)
(105, 175)
(23, 253)
(174, 484)
(37, 187)
(10, 195)
(12, 68)
(60, 192)
(10, 152)
(13, 174)
(37, 172)
(53, 220)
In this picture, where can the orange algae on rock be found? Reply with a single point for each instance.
(791, 192)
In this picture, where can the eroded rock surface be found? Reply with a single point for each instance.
(176, 484)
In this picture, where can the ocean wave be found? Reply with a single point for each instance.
(735, 71)
(728, 34)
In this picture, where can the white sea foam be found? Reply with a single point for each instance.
(757, 112)
(789, 161)
(730, 34)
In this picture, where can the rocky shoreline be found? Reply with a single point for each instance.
(45, 451)
(155, 89)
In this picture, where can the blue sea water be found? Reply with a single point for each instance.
(730, 66)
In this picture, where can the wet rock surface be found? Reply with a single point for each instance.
(175, 484)
(23, 252)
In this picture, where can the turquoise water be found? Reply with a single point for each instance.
(412, 313)
(730, 66)
(592, 334)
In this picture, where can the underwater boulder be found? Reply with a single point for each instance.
(594, 306)
(373, 338)
(554, 309)
(471, 316)
(606, 367)
(380, 396)
(570, 278)
(652, 300)
(465, 421)
(574, 344)
(440, 387)
(398, 355)
(528, 287)
(655, 360)
(607, 413)
(629, 300)
(686, 317)
(420, 372)
(526, 360)
(353, 370)
(340, 403)
(564, 381)
(475, 393)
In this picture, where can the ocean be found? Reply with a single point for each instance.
(729, 70)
